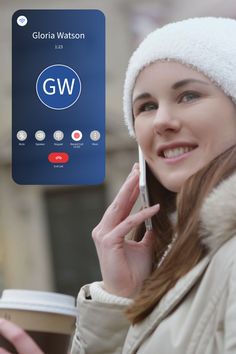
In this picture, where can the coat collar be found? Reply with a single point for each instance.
(217, 225)
(138, 333)
(218, 215)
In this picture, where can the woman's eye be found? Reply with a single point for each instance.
(189, 96)
(148, 106)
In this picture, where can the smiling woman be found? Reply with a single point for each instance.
(182, 121)
(172, 290)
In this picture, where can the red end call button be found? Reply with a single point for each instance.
(58, 157)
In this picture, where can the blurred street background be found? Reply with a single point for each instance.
(45, 231)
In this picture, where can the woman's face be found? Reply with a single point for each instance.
(182, 121)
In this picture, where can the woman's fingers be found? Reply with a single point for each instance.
(134, 195)
(3, 351)
(23, 343)
(127, 188)
(122, 204)
(133, 221)
(148, 238)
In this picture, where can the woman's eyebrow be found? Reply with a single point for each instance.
(186, 81)
(142, 96)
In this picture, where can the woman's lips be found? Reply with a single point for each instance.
(172, 160)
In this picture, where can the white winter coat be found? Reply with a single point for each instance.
(197, 316)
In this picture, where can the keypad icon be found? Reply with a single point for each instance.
(58, 135)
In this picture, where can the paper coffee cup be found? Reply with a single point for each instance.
(42, 314)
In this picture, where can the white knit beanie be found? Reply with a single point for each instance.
(208, 44)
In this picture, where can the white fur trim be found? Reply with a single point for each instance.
(218, 215)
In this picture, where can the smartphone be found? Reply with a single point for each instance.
(143, 187)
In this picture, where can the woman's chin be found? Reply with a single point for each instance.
(174, 184)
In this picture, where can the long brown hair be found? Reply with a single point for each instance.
(187, 250)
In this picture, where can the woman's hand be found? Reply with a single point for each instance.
(23, 343)
(125, 264)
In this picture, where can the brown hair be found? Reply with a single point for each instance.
(187, 250)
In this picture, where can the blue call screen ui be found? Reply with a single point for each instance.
(58, 97)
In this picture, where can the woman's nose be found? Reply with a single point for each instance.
(166, 121)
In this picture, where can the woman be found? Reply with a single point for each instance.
(173, 289)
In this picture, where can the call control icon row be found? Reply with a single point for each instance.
(58, 135)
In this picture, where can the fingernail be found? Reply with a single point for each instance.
(156, 206)
(135, 166)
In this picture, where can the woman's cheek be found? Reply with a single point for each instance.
(141, 131)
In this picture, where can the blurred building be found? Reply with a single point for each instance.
(45, 231)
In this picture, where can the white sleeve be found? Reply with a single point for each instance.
(100, 295)
(101, 326)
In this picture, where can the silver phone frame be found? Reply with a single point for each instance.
(143, 187)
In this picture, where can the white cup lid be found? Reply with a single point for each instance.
(41, 301)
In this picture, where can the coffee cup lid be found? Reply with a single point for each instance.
(40, 301)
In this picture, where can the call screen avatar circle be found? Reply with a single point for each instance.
(58, 87)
